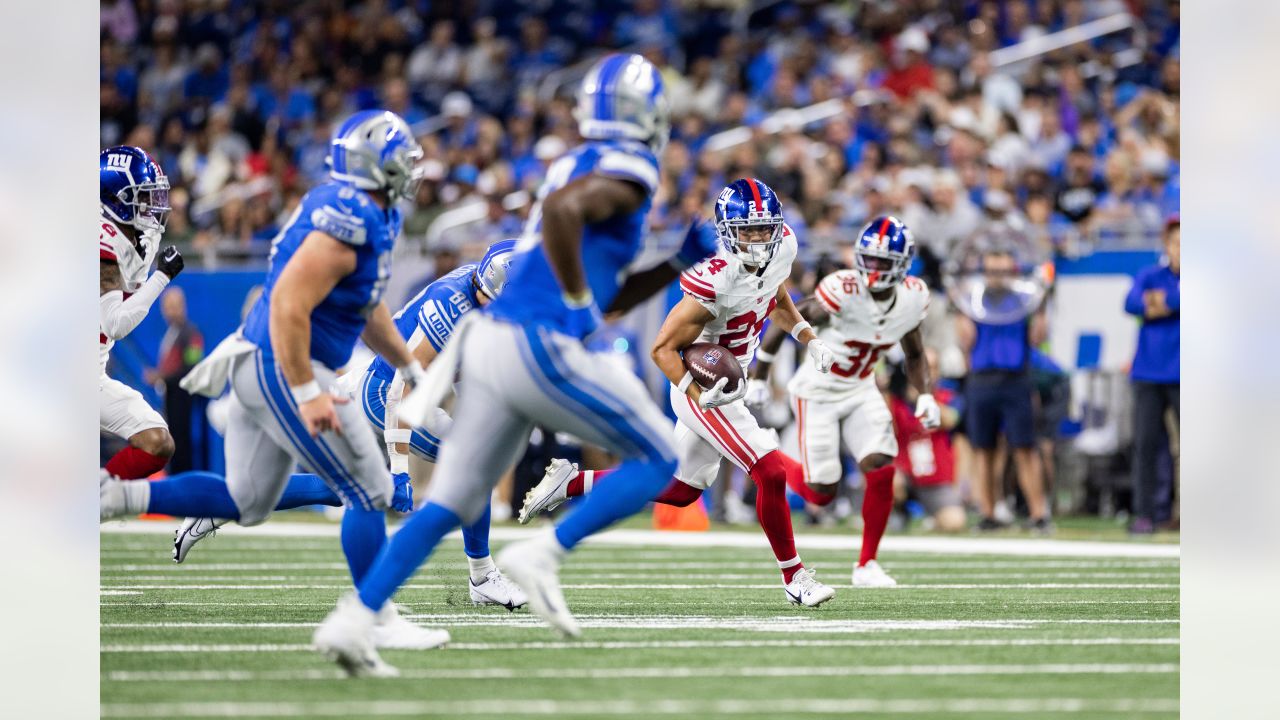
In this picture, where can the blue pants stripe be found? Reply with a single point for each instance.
(615, 424)
(286, 413)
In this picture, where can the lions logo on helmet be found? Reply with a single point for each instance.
(491, 274)
(376, 150)
(883, 253)
(622, 98)
(749, 203)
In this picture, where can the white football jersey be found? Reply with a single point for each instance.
(113, 244)
(859, 332)
(739, 300)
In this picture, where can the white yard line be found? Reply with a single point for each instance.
(188, 648)
(614, 603)
(664, 586)
(687, 708)
(953, 545)
(1170, 566)
(194, 575)
(665, 672)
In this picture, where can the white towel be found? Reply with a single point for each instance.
(209, 377)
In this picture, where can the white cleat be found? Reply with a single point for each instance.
(346, 637)
(872, 575)
(497, 589)
(534, 565)
(552, 490)
(111, 497)
(190, 532)
(392, 631)
(804, 589)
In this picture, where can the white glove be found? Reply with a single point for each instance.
(928, 412)
(716, 396)
(821, 354)
(757, 392)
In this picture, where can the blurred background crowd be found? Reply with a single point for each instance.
(1058, 118)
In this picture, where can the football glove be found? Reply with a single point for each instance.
(928, 412)
(402, 498)
(584, 316)
(170, 262)
(821, 354)
(717, 396)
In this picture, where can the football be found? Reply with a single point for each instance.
(708, 362)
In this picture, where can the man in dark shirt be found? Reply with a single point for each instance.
(998, 395)
(180, 349)
(1080, 189)
(1156, 298)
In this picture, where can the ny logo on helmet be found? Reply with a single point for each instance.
(123, 162)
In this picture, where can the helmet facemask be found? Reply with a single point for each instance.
(754, 240)
(881, 269)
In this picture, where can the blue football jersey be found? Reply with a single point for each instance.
(350, 216)
(532, 295)
(433, 313)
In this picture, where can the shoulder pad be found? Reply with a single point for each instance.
(835, 290)
(642, 170)
(340, 211)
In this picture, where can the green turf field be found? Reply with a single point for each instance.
(669, 631)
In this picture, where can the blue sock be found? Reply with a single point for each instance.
(629, 489)
(305, 489)
(475, 537)
(406, 552)
(193, 494)
(364, 532)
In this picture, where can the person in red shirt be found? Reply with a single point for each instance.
(909, 68)
(924, 458)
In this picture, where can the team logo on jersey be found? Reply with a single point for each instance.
(711, 357)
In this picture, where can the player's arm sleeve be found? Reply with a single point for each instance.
(119, 316)
(700, 288)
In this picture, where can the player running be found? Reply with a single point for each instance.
(133, 197)
(425, 322)
(323, 290)
(727, 299)
(523, 361)
(862, 313)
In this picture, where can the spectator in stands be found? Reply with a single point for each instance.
(1156, 299)
(180, 349)
(924, 457)
(998, 395)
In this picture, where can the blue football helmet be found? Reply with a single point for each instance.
(883, 253)
(133, 190)
(747, 202)
(491, 274)
(622, 98)
(375, 150)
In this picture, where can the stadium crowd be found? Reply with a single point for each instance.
(848, 110)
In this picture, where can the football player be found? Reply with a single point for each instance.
(133, 197)
(425, 323)
(862, 313)
(523, 361)
(727, 299)
(323, 290)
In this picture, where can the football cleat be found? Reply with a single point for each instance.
(872, 575)
(111, 499)
(534, 565)
(804, 589)
(550, 492)
(190, 532)
(392, 631)
(496, 589)
(346, 637)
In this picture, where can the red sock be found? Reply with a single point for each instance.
(582, 483)
(770, 476)
(678, 494)
(795, 481)
(877, 503)
(134, 464)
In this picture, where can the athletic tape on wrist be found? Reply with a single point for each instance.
(684, 382)
(397, 435)
(799, 328)
(586, 299)
(763, 356)
(305, 392)
(399, 461)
